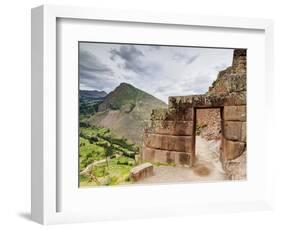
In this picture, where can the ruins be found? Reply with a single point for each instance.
(170, 136)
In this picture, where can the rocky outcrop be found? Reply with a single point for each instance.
(232, 79)
(170, 137)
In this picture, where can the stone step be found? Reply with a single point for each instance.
(141, 171)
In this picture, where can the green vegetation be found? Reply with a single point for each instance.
(113, 174)
(124, 97)
(114, 157)
(88, 107)
(199, 128)
(107, 154)
(125, 111)
(89, 102)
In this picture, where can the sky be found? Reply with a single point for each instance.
(161, 71)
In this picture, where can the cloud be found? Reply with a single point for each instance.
(191, 59)
(220, 67)
(199, 83)
(196, 84)
(93, 73)
(89, 62)
(187, 59)
(133, 59)
(159, 70)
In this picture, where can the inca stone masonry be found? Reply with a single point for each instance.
(170, 136)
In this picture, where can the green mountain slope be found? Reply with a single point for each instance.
(89, 101)
(125, 111)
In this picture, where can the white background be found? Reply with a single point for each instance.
(15, 113)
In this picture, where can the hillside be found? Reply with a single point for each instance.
(92, 94)
(125, 111)
(89, 101)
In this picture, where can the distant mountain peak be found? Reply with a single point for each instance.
(92, 93)
(126, 94)
(125, 111)
(125, 85)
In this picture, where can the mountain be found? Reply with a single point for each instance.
(89, 101)
(125, 111)
(92, 94)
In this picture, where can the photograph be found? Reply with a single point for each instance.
(161, 114)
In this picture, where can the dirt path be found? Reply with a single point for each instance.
(206, 168)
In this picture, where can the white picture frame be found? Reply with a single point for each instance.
(45, 206)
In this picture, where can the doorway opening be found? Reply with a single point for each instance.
(208, 142)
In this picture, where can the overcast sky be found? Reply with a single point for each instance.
(159, 70)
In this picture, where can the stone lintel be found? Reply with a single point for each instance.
(207, 100)
(184, 114)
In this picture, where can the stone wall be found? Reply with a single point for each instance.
(234, 131)
(170, 136)
(234, 142)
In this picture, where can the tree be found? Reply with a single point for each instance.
(109, 151)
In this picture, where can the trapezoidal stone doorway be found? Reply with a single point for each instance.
(208, 132)
(170, 137)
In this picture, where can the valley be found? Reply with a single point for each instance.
(111, 127)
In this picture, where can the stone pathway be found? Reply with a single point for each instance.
(206, 168)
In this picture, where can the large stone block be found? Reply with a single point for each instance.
(169, 142)
(147, 154)
(183, 159)
(232, 149)
(234, 113)
(185, 114)
(233, 130)
(180, 128)
(141, 171)
(165, 156)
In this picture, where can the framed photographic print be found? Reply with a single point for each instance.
(137, 115)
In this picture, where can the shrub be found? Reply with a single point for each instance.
(123, 161)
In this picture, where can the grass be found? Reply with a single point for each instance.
(164, 164)
(97, 143)
(114, 174)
